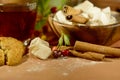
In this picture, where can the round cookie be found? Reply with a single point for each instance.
(12, 49)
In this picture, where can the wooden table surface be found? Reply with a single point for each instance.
(33, 68)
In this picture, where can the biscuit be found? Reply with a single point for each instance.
(11, 51)
(2, 57)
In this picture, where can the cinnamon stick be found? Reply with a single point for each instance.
(68, 10)
(65, 47)
(88, 55)
(84, 46)
(77, 19)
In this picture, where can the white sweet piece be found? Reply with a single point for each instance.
(108, 13)
(93, 13)
(60, 17)
(106, 16)
(96, 16)
(85, 15)
(86, 5)
(104, 19)
(113, 20)
(40, 48)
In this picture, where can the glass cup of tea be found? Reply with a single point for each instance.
(17, 18)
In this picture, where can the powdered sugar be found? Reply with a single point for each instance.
(62, 66)
(67, 65)
(35, 68)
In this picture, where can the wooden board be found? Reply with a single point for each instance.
(33, 68)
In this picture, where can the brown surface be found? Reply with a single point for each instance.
(62, 69)
(114, 4)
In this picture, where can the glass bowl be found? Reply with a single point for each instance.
(103, 35)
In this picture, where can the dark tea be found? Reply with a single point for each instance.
(17, 21)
